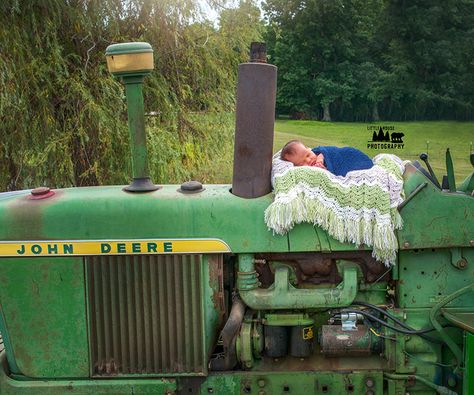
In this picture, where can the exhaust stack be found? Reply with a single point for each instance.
(255, 118)
(131, 62)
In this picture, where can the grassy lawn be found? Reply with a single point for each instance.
(432, 137)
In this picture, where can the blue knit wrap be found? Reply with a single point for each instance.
(340, 161)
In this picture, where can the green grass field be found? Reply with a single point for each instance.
(432, 137)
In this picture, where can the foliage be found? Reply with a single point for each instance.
(361, 60)
(63, 116)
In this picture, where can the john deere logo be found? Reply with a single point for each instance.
(308, 333)
(385, 137)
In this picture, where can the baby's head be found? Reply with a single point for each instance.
(297, 153)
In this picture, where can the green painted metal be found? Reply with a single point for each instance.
(304, 237)
(275, 265)
(375, 293)
(438, 388)
(336, 245)
(10, 386)
(136, 125)
(307, 237)
(256, 383)
(269, 383)
(426, 276)
(467, 185)
(110, 213)
(287, 319)
(282, 295)
(450, 171)
(457, 260)
(250, 340)
(435, 218)
(468, 385)
(249, 343)
(456, 350)
(460, 317)
(247, 277)
(412, 194)
(323, 238)
(128, 48)
(412, 354)
(133, 81)
(42, 301)
(6, 347)
(153, 315)
(121, 59)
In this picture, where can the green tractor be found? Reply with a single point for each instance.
(182, 289)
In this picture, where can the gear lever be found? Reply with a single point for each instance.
(424, 158)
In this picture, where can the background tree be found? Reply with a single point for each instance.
(428, 49)
(365, 60)
(63, 117)
(326, 42)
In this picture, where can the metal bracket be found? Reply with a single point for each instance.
(349, 321)
(457, 260)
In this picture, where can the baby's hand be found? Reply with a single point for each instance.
(320, 161)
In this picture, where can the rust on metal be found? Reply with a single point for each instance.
(335, 341)
(258, 52)
(320, 268)
(255, 116)
(216, 282)
(146, 314)
(319, 362)
(41, 193)
(26, 213)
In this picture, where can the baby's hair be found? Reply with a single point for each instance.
(289, 149)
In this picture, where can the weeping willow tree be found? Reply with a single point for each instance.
(63, 117)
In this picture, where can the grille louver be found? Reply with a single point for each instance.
(146, 314)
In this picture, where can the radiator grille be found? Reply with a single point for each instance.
(145, 314)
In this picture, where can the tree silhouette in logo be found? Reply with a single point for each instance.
(380, 136)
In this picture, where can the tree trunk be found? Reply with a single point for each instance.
(375, 112)
(327, 114)
(13, 172)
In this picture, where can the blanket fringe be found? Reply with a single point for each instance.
(282, 217)
(312, 195)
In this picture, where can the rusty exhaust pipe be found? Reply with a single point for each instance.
(255, 118)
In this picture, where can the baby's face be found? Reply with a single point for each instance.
(302, 156)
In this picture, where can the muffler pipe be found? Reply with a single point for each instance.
(255, 118)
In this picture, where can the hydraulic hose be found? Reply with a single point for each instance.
(384, 323)
(397, 321)
(382, 311)
(433, 313)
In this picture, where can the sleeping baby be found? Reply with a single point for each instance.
(338, 161)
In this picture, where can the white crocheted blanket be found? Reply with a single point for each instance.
(360, 208)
